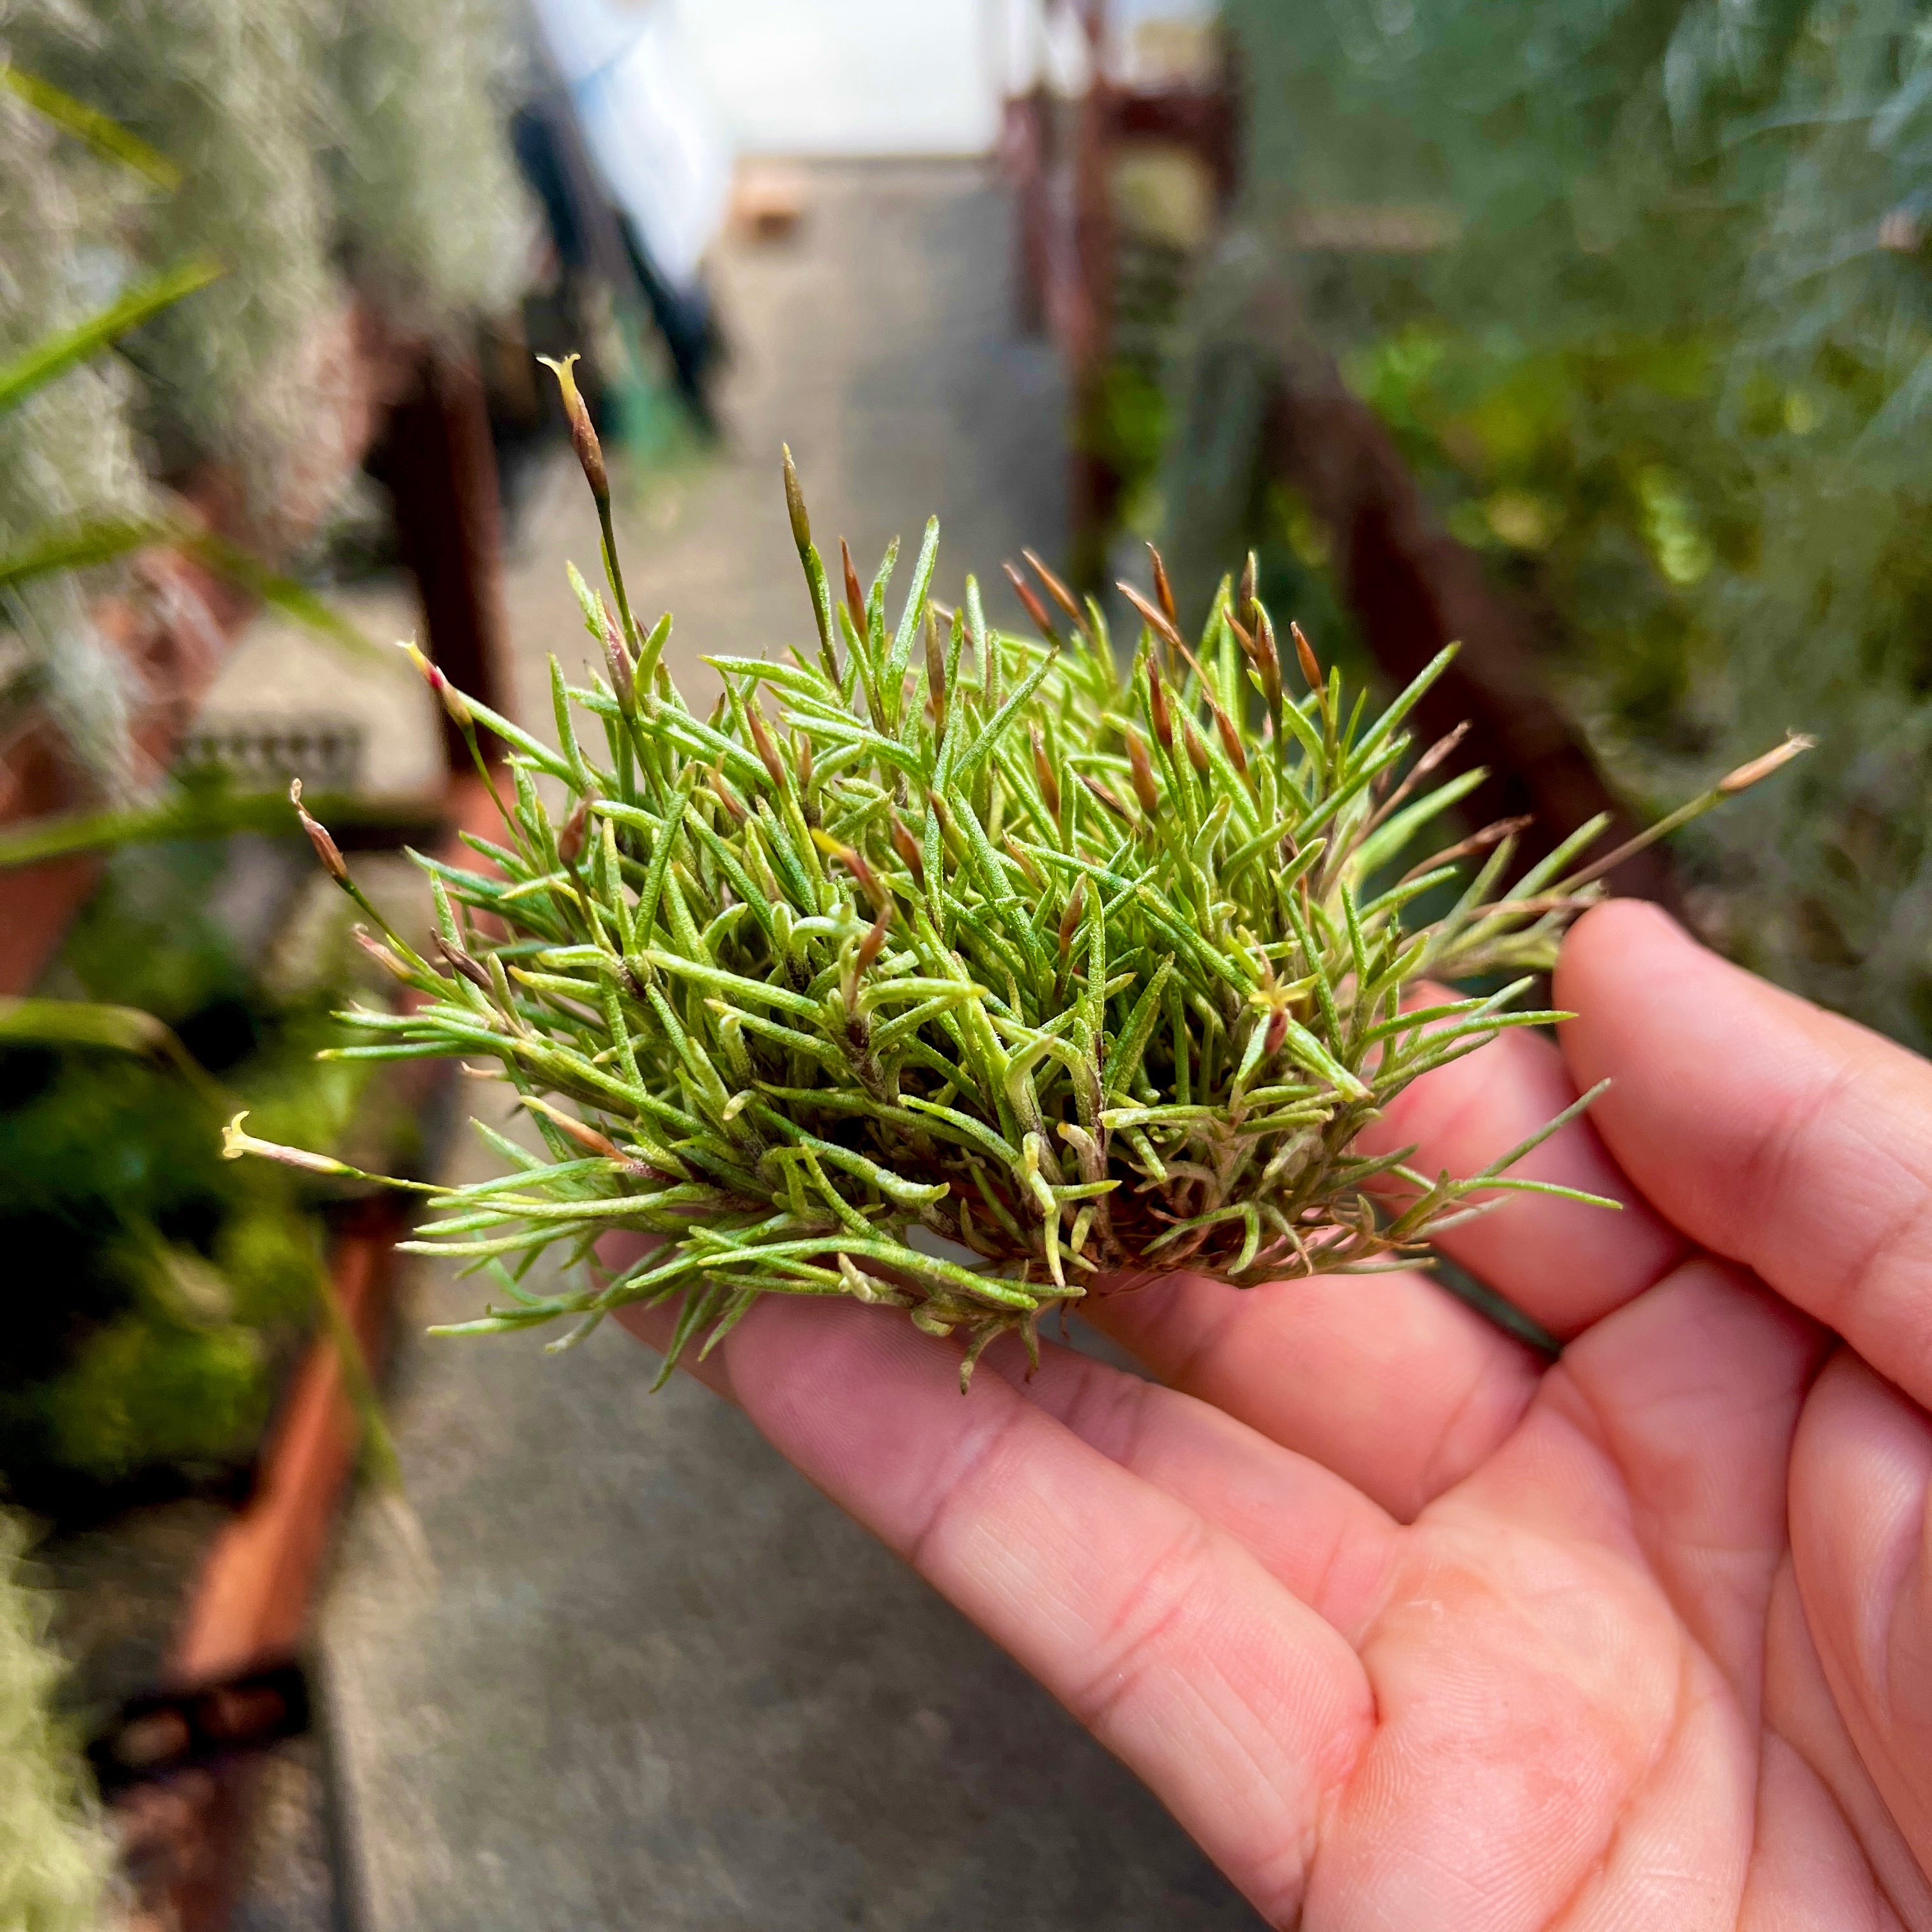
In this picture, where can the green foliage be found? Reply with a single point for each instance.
(72, 543)
(152, 1289)
(149, 1387)
(202, 806)
(959, 988)
(56, 1855)
(106, 137)
(1645, 291)
(59, 353)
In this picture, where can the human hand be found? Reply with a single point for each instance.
(1410, 1630)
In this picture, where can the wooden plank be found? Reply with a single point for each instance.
(251, 1601)
(441, 468)
(1060, 156)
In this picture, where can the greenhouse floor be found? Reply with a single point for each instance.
(647, 1677)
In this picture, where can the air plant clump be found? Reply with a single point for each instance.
(962, 985)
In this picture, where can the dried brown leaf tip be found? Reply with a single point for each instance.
(452, 699)
(381, 954)
(1163, 591)
(570, 838)
(1197, 746)
(583, 431)
(1056, 589)
(855, 597)
(617, 665)
(1009, 980)
(907, 847)
(326, 847)
(801, 523)
(1156, 620)
(1069, 919)
(1030, 598)
(1746, 776)
(935, 667)
(768, 752)
(1140, 769)
(1311, 665)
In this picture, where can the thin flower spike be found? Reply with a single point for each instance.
(1163, 590)
(1016, 961)
(235, 1144)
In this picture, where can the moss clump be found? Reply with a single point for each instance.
(961, 987)
(56, 1857)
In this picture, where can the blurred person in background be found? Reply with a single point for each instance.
(663, 163)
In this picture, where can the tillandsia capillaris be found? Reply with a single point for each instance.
(962, 985)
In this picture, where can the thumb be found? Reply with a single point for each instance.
(1861, 1478)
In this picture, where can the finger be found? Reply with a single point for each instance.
(1808, 1866)
(1563, 1263)
(1781, 1136)
(1239, 1704)
(1692, 1393)
(1383, 1378)
(1316, 1534)
(1827, 1782)
(1861, 1481)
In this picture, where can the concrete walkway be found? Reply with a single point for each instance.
(655, 1681)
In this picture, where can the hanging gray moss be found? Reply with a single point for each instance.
(313, 137)
(67, 452)
(56, 1857)
(223, 88)
(308, 133)
(428, 209)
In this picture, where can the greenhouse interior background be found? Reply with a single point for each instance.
(1596, 340)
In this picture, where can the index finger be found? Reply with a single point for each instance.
(1241, 1705)
(1771, 1132)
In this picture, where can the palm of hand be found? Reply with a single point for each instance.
(1410, 1632)
(1579, 1657)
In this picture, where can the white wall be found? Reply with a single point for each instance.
(850, 76)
